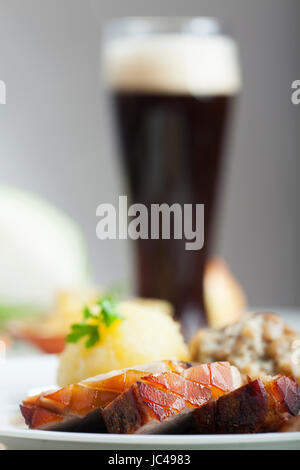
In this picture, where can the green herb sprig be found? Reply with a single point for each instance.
(105, 313)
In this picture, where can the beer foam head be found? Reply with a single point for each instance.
(173, 63)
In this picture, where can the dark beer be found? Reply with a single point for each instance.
(171, 140)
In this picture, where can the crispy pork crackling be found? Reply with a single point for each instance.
(262, 405)
(164, 403)
(78, 407)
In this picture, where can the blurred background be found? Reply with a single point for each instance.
(55, 137)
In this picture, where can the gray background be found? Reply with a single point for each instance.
(54, 136)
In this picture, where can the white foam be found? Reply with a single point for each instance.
(174, 63)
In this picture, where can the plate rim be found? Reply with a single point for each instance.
(153, 439)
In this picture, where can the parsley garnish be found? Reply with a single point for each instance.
(104, 311)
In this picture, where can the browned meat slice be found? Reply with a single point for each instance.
(78, 407)
(262, 405)
(165, 402)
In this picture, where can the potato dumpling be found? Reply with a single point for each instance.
(144, 335)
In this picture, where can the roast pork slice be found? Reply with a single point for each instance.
(78, 407)
(262, 405)
(165, 402)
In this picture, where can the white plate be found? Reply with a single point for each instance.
(20, 376)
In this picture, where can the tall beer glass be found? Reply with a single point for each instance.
(173, 82)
